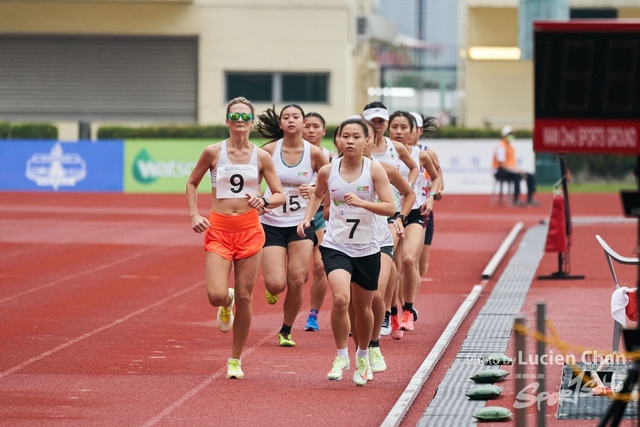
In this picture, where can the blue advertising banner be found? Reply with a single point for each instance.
(61, 166)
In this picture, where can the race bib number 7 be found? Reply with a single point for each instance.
(353, 226)
(235, 181)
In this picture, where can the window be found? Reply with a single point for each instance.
(279, 87)
(256, 87)
(304, 87)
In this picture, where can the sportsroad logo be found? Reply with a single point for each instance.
(146, 170)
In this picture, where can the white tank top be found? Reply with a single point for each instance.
(419, 184)
(383, 228)
(350, 229)
(390, 156)
(234, 181)
(292, 177)
(327, 154)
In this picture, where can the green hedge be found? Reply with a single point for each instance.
(28, 131)
(221, 132)
(162, 132)
(454, 132)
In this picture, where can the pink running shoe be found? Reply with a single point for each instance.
(406, 323)
(396, 332)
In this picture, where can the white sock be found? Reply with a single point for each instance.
(362, 353)
(343, 352)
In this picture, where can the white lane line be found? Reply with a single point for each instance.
(502, 251)
(188, 395)
(409, 394)
(82, 273)
(101, 329)
(10, 255)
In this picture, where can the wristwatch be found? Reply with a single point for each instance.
(265, 200)
(431, 194)
(403, 218)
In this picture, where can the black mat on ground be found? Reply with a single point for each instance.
(576, 401)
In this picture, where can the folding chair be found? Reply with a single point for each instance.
(611, 256)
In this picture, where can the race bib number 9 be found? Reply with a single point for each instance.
(353, 226)
(235, 181)
(293, 202)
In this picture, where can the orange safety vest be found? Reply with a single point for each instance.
(510, 161)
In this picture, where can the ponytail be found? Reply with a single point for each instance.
(269, 125)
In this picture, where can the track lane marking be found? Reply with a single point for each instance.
(400, 409)
(82, 273)
(188, 395)
(101, 329)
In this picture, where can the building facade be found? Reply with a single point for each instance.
(495, 92)
(144, 62)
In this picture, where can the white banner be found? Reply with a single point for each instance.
(466, 163)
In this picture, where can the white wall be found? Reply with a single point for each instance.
(466, 163)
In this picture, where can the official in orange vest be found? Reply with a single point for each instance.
(505, 168)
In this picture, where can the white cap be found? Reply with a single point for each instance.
(418, 118)
(355, 116)
(372, 113)
(506, 130)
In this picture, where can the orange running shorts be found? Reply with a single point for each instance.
(234, 236)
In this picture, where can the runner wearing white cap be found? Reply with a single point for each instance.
(388, 151)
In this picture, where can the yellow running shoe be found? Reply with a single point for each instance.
(271, 299)
(234, 369)
(340, 364)
(285, 341)
(225, 314)
(362, 373)
(376, 360)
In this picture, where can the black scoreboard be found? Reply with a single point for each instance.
(587, 86)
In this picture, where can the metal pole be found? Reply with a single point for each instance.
(540, 371)
(521, 367)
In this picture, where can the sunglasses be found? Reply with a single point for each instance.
(234, 117)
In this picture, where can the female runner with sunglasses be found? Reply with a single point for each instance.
(286, 256)
(233, 234)
(401, 124)
(313, 131)
(351, 249)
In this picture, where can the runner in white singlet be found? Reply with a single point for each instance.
(401, 124)
(351, 249)
(314, 130)
(233, 234)
(286, 256)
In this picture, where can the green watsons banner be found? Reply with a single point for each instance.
(162, 166)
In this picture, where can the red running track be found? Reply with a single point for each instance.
(105, 320)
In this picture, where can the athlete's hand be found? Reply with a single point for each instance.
(399, 226)
(305, 190)
(353, 200)
(438, 195)
(426, 207)
(199, 223)
(255, 202)
(302, 227)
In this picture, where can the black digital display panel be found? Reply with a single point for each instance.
(587, 75)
